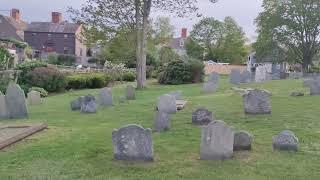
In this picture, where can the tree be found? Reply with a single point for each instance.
(111, 14)
(163, 30)
(194, 49)
(5, 58)
(289, 30)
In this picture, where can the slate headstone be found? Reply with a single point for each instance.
(130, 93)
(286, 141)
(167, 104)
(257, 102)
(89, 104)
(16, 102)
(76, 104)
(132, 143)
(235, 76)
(202, 116)
(245, 77)
(162, 122)
(34, 98)
(3, 107)
(106, 97)
(216, 141)
(242, 141)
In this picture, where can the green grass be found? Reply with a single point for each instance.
(78, 146)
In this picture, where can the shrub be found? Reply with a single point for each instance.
(53, 58)
(83, 81)
(42, 91)
(67, 60)
(48, 78)
(149, 72)
(27, 67)
(129, 76)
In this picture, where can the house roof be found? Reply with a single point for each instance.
(10, 28)
(49, 27)
(19, 25)
(175, 43)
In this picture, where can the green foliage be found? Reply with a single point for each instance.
(5, 58)
(66, 60)
(194, 49)
(53, 58)
(163, 30)
(48, 78)
(91, 81)
(129, 76)
(167, 54)
(42, 91)
(27, 67)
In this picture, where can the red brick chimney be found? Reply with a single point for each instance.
(56, 17)
(15, 14)
(184, 32)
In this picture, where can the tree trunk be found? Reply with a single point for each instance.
(307, 60)
(140, 83)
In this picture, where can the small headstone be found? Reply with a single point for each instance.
(89, 104)
(242, 141)
(314, 87)
(295, 94)
(34, 98)
(216, 141)
(177, 95)
(76, 104)
(162, 122)
(214, 78)
(167, 104)
(16, 102)
(245, 77)
(122, 99)
(132, 143)
(286, 141)
(106, 97)
(3, 107)
(130, 93)
(202, 116)
(257, 102)
(209, 87)
(235, 76)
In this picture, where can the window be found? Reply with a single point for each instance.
(49, 36)
(181, 43)
(65, 36)
(80, 51)
(65, 50)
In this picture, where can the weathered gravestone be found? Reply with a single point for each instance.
(16, 102)
(176, 94)
(76, 104)
(216, 141)
(209, 87)
(307, 82)
(162, 122)
(34, 98)
(286, 141)
(3, 107)
(202, 116)
(242, 141)
(261, 74)
(257, 102)
(106, 97)
(167, 104)
(89, 104)
(132, 143)
(214, 78)
(314, 86)
(245, 77)
(130, 93)
(235, 76)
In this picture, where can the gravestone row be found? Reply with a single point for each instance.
(237, 77)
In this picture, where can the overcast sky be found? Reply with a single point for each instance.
(243, 11)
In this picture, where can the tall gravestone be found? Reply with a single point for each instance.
(216, 141)
(202, 116)
(16, 102)
(212, 84)
(257, 102)
(106, 97)
(130, 93)
(162, 122)
(34, 98)
(235, 76)
(261, 74)
(132, 143)
(3, 107)
(167, 104)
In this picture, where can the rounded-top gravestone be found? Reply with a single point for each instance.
(34, 98)
(286, 141)
(257, 102)
(167, 104)
(202, 116)
(16, 102)
(106, 97)
(242, 141)
(89, 104)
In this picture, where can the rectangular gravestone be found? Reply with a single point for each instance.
(13, 133)
(235, 76)
(3, 107)
(34, 98)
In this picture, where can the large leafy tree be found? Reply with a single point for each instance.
(110, 14)
(289, 31)
(163, 31)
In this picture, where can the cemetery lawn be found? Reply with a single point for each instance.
(78, 146)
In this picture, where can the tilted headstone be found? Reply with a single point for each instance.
(257, 102)
(286, 141)
(16, 102)
(76, 104)
(106, 97)
(176, 94)
(132, 143)
(216, 141)
(209, 87)
(130, 93)
(162, 122)
(214, 78)
(242, 141)
(167, 104)
(235, 76)
(202, 116)
(3, 107)
(89, 104)
(34, 98)
(245, 77)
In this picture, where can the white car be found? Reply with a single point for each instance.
(210, 62)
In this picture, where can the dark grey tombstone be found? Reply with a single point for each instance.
(235, 76)
(16, 102)
(3, 107)
(76, 104)
(246, 77)
(89, 104)
(130, 93)
(216, 141)
(285, 141)
(106, 97)
(209, 87)
(167, 104)
(162, 122)
(214, 78)
(242, 141)
(176, 94)
(257, 102)
(202, 116)
(132, 143)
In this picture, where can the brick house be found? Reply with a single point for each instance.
(179, 44)
(12, 27)
(56, 36)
